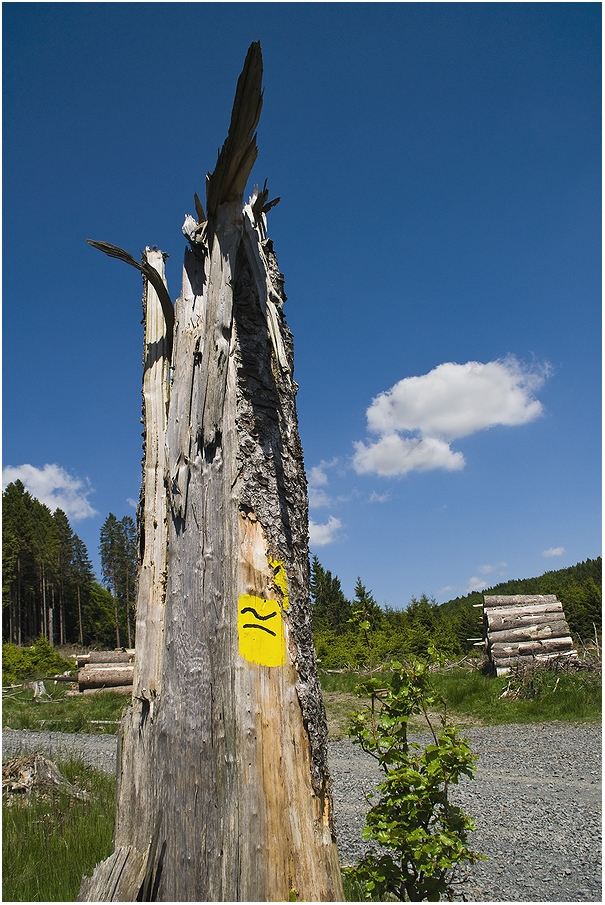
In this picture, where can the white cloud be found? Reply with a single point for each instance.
(132, 503)
(487, 570)
(449, 402)
(453, 400)
(318, 498)
(54, 487)
(554, 551)
(478, 582)
(379, 497)
(395, 455)
(317, 476)
(321, 535)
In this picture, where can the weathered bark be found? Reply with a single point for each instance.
(517, 619)
(224, 791)
(533, 658)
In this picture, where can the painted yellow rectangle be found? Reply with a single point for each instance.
(261, 631)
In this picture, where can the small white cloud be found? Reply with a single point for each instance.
(318, 479)
(395, 455)
(454, 401)
(132, 503)
(321, 535)
(449, 402)
(475, 584)
(478, 582)
(318, 498)
(554, 551)
(54, 487)
(487, 570)
(317, 476)
(379, 497)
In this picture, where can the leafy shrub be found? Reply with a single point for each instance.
(426, 834)
(35, 662)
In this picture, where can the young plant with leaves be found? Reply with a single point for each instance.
(427, 835)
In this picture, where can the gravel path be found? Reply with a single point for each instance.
(536, 800)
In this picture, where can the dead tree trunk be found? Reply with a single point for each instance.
(224, 792)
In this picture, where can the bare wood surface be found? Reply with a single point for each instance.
(496, 600)
(531, 632)
(110, 656)
(98, 676)
(135, 812)
(117, 879)
(239, 152)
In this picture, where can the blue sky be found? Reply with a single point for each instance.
(439, 231)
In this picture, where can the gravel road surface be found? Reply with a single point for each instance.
(536, 801)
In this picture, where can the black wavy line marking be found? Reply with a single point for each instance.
(248, 609)
(261, 627)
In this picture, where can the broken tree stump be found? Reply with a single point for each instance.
(223, 784)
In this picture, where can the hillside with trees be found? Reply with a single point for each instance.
(49, 588)
(448, 626)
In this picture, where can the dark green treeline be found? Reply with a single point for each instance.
(48, 584)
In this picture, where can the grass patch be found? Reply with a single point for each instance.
(48, 844)
(570, 698)
(339, 681)
(474, 699)
(96, 713)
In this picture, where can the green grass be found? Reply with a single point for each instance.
(48, 844)
(475, 699)
(340, 681)
(96, 713)
(570, 698)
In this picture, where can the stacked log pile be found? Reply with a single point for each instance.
(102, 669)
(520, 626)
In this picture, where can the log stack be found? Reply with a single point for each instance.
(110, 670)
(520, 626)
